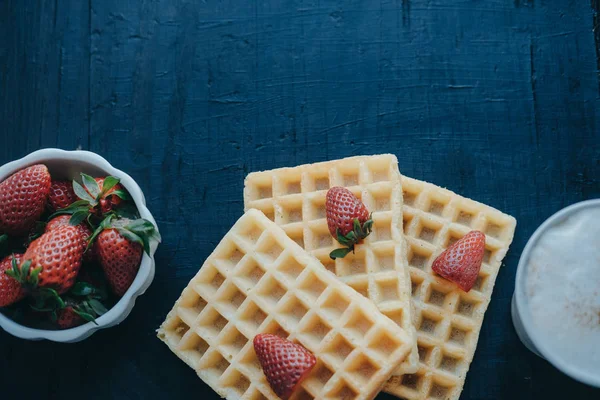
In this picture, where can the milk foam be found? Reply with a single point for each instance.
(563, 289)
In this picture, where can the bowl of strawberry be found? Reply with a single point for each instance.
(77, 245)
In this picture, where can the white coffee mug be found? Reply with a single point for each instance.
(528, 333)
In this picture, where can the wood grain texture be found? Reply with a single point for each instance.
(497, 100)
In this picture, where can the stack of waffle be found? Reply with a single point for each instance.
(384, 321)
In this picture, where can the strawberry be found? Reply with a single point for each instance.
(11, 290)
(97, 197)
(61, 195)
(68, 318)
(284, 363)
(83, 228)
(83, 304)
(119, 246)
(23, 198)
(460, 263)
(120, 259)
(63, 220)
(55, 258)
(110, 198)
(348, 219)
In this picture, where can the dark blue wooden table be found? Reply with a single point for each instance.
(498, 100)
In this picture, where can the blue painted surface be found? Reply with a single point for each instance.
(498, 100)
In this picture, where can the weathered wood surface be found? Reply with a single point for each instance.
(498, 100)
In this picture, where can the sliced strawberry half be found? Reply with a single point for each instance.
(284, 363)
(460, 263)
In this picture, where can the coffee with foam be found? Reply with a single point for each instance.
(562, 288)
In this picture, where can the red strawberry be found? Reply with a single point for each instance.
(11, 290)
(285, 364)
(460, 263)
(23, 198)
(83, 228)
(119, 245)
(63, 220)
(109, 200)
(95, 197)
(119, 258)
(57, 255)
(348, 219)
(67, 318)
(61, 195)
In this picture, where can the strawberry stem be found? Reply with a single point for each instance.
(356, 235)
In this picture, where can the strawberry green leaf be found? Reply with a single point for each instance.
(91, 185)
(78, 205)
(78, 217)
(3, 238)
(352, 237)
(103, 225)
(140, 224)
(82, 289)
(86, 316)
(132, 237)
(47, 299)
(24, 271)
(85, 307)
(97, 307)
(34, 276)
(356, 227)
(144, 228)
(14, 272)
(109, 183)
(339, 253)
(122, 194)
(368, 226)
(83, 194)
(342, 239)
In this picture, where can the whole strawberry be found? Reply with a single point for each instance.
(119, 246)
(61, 195)
(83, 228)
(23, 198)
(83, 303)
(348, 219)
(460, 263)
(67, 318)
(54, 258)
(11, 290)
(284, 363)
(120, 259)
(96, 198)
(110, 199)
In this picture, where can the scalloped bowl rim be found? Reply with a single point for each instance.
(123, 307)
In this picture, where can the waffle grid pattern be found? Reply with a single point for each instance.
(447, 319)
(295, 199)
(259, 281)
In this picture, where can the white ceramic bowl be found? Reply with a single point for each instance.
(67, 165)
(522, 320)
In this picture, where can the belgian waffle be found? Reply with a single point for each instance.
(295, 199)
(448, 320)
(258, 280)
